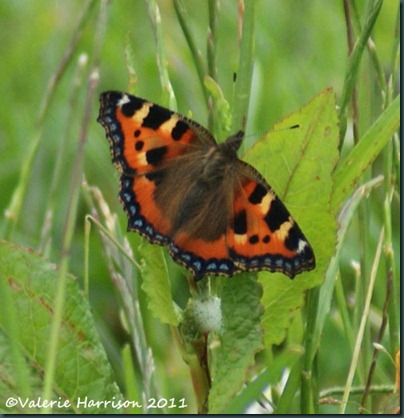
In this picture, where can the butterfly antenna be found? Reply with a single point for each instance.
(233, 93)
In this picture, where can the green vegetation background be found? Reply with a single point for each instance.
(300, 50)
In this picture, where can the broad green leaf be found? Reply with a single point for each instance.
(241, 338)
(82, 368)
(298, 164)
(350, 170)
(156, 284)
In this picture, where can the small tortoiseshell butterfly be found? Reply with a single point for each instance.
(179, 188)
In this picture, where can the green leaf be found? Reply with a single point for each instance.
(241, 338)
(349, 170)
(298, 164)
(82, 369)
(156, 284)
(270, 376)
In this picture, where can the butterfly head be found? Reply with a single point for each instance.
(232, 143)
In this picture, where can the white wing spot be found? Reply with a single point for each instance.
(125, 99)
(302, 245)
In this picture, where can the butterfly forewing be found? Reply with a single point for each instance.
(143, 135)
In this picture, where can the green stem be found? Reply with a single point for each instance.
(290, 390)
(245, 68)
(71, 214)
(392, 182)
(155, 19)
(344, 313)
(212, 64)
(61, 156)
(12, 213)
(199, 62)
(378, 340)
(306, 400)
(362, 326)
(353, 66)
(194, 353)
(357, 390)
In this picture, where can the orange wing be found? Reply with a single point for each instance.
(146, 141)
(263, 235)
(142, 135)
(236, 225)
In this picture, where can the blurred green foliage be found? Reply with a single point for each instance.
(300, 50)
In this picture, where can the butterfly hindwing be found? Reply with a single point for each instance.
(179, 188)
(144, 216)
(263, 234)
(203, 257)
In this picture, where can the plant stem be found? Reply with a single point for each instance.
(155, 19)
(378, 340)
(12, 213)
(306, 400)
(353, 66)
(196, 53)
(212, 65)
(245, 69)
(67, 238)
(361, 331)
